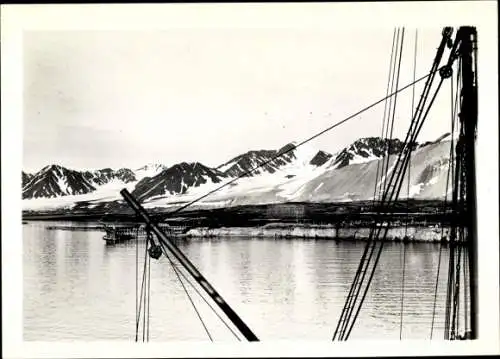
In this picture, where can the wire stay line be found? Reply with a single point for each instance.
(281, 153)
(179, 271)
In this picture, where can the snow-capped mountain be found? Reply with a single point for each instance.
(149, 170)
(26, 178)
(177, 180)
(56, 181)
(125, 175)
(301, 181)
(428, 172)
(252, 159)
(303, 173)
(320, 158)
(441, 138)
(366, 150)
(269, 161)
(105, 175)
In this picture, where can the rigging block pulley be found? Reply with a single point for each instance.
(154, 251)
(447, 31)
(446, 72)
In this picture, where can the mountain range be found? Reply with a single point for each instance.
(290, 173)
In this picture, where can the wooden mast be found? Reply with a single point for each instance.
(464, 227)
(468, 122)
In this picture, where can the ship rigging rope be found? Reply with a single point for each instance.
(454, 268)
(349, 307)
(145, 294)
(466, 284)
(138, 314)
(192, 303)
(390, 79)
(348, 304)
(456, 290)
(148, 303)
(179, 272)
(408, 195)
(456, 299)
(449, 176)
(359, 278)
(410, 137)
(386, 121)
(281, 153)
(391, 123)
(385, 111)
(396, 180)
(376, 233)
(144, 300)
(394, 102)
(136, 277)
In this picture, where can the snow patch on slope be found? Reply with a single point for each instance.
(297, 181)
(149, 170)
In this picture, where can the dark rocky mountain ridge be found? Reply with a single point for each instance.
(177, 180)
(26, 178)
(55, 180)
(367, 148)
(252, 159)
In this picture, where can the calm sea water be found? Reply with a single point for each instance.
(77, 288)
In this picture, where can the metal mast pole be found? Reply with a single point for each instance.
(186, 263)
(468, 119)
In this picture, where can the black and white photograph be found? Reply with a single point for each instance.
(213, 174)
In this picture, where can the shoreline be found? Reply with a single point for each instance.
(351, 221)
(399, 233)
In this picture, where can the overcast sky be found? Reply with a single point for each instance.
(96, 99)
